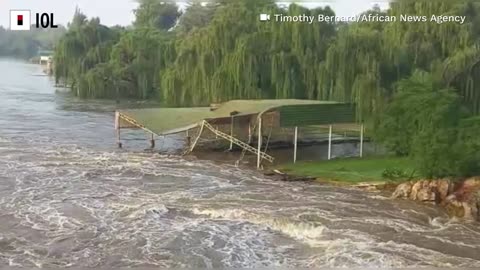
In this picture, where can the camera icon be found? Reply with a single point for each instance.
(264, 17)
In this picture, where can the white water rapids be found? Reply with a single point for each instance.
(68, 197)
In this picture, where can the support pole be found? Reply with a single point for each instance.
(117, 129)
(330, 142)
(231, 134)
(295, 145)
(361, 140)
(259, 141)
(152, 141)
(119, 142)
(192, 146)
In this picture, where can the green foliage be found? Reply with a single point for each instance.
(156, 14)
(422, 122)
(395, 174)
(468, 145)
(137, 60)
(221, 51)
(197, 15)
(86, 45)
(227, 60)
(436, 133)
(101, 62)
(400, 122)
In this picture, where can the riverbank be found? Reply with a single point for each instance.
(353, 171)
(459, 197)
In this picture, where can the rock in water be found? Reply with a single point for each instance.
(442, 189)
(403, 190)
(417, 187)
(426, 195)
(464, 202)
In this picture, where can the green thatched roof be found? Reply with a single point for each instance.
(164, 121)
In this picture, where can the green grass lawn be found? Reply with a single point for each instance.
(353, 170)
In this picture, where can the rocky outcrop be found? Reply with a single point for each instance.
(421, 191)
(460, 199)
(424, 190)
(403, 190)
(465, 200)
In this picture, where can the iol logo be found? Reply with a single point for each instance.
(20, 20)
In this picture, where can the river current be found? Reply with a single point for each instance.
(70, 198)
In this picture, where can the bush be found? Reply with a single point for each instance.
(422, 122)
(468, 147)
(434, 142)
(395, 174)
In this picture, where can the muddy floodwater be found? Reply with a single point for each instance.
(68, 197)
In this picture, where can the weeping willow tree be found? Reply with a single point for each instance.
(367, 59)
(230, 60)
(86, 44)
(216, 62)
(221, 51)
(353, 69)
(156, 14)
(101, 62)
(134, 61)
(449, 50)
(197, 14)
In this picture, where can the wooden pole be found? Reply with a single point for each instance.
(361, 140)
(330, 142)
(231, 134)
(188, 139)
(117, 120)
(295, 145)
(117, 129)
(152, 141)
(249, 133)
(119, 142)
(259, 141)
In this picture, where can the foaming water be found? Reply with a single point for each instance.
(68, 198)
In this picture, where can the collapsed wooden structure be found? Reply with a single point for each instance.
(241, 122)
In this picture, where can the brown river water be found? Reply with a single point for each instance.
(69, 198)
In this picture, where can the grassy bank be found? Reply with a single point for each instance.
(355, 170)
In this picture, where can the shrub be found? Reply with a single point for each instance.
(468, 147)
(395, 174)
(422, 122)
